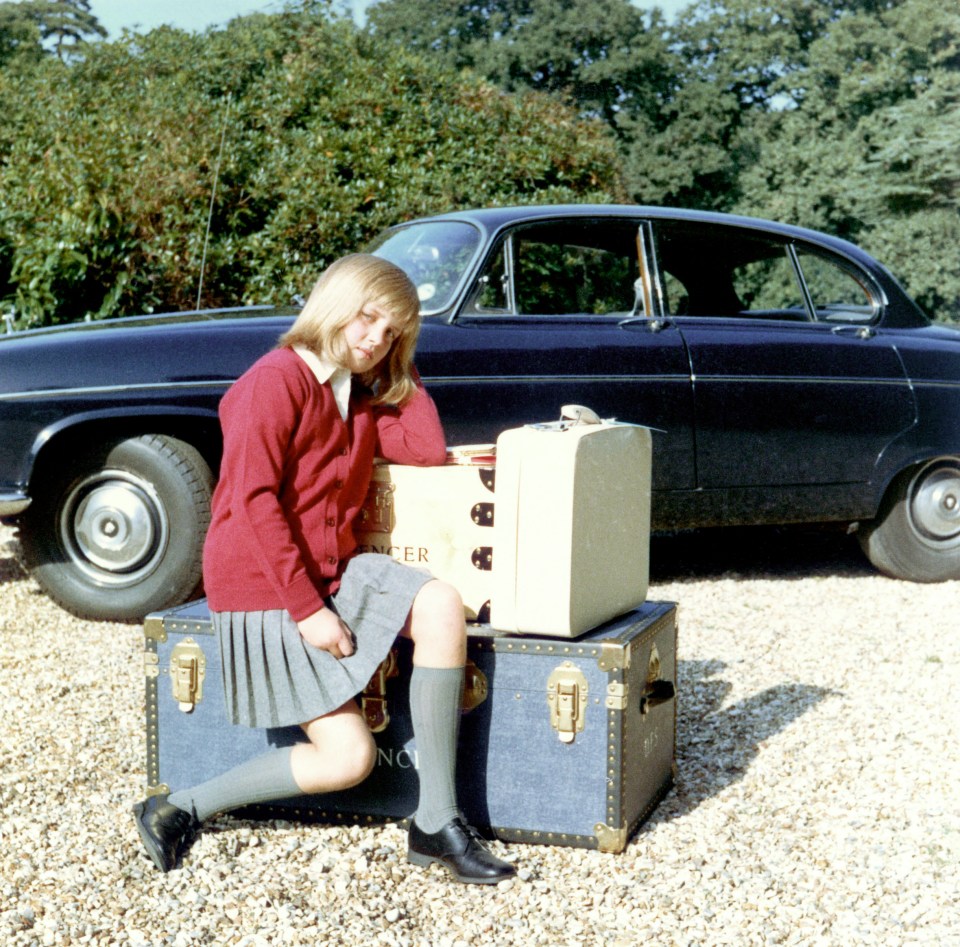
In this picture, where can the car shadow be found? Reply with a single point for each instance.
(715, 748)
(756, 552)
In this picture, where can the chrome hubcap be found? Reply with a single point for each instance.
(113, 527)
(935, 501)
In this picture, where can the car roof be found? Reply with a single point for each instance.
(491, 219)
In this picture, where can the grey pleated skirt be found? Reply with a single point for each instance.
(273, 678)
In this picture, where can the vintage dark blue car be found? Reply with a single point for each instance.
(790, 378)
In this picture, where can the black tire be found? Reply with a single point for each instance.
(118, 532)
(916, 535)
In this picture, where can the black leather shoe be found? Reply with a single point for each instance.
(459, 848)
(167, 831)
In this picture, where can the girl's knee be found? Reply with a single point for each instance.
(350, 764)
(340, 753)
(359, 765)
(441, 602)
(437, 626)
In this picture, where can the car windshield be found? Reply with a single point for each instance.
(435, 255)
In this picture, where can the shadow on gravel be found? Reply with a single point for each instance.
(756, 552)
(715, 748)
(10, 569)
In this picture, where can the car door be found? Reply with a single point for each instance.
(794, 382)
(551, 320)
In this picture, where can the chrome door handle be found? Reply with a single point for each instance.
(859, 332)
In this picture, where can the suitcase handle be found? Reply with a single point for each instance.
(578, 414)
(655, 693)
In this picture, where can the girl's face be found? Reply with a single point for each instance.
(369, 336)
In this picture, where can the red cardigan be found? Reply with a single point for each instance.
(292, 480)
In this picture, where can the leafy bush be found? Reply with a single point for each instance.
(300, 138)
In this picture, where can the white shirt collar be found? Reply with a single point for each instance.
(340, 378)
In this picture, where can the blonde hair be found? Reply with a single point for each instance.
(337, 298)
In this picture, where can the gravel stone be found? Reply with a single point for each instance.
(817, 801)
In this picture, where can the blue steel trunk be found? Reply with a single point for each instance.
(563, 741)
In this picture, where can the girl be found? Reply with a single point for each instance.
(302, 622)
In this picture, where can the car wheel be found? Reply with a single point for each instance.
(917, 534)
(121, 532)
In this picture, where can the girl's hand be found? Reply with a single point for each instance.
(325, 630)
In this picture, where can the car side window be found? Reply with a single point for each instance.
(768, 287)
(718, 270)
(715, 270)
(838, 294)
(567, 278)
(586, 267)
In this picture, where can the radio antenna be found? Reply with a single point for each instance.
(213, 196)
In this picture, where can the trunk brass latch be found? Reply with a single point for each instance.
(567, 697)
(188, 668)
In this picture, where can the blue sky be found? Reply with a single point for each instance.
(199, 14)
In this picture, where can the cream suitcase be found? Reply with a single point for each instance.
(552, 539)
(572, 533)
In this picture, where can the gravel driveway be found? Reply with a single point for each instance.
(818, 799)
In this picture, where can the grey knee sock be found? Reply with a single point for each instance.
(436, 696)
(265, 778)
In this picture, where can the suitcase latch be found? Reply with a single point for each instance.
(475, 687)
(373, 701)
(376, 514)
(188, 668)
(567, 697)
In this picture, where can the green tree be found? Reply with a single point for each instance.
(867, 148)
(110, 165)
(19, 34)
(605, 56)
(735, 63)
(63, 26)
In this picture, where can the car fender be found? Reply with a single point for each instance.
(936, 428)
(901, 455)
(197, 426)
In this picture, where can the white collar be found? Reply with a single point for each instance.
(340, 378)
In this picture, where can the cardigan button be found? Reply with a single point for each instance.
(338, 484)
(331, 521)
